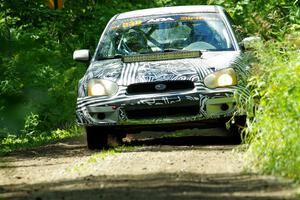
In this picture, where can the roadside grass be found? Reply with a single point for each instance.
(274, 133)
(12, 143)
(110, 152)
(99, 156)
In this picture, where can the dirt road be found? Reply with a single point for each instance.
(194, 167)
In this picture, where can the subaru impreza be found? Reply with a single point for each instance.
(170, 68)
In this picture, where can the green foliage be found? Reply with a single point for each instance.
(31, 123)
(110, 152)
(274, 132)
(13, 142)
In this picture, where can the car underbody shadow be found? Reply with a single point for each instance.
(194, 137)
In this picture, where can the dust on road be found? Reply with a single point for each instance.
(194, 167)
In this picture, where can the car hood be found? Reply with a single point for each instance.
(194, 69)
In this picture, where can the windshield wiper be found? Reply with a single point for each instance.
(171, 50)
(110, 57)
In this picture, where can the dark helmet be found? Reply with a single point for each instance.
(135, 41)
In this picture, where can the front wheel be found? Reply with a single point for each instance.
(102, 137)
(236, 128)
(96, 138)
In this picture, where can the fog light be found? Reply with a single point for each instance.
(224, 107)
(101, 116)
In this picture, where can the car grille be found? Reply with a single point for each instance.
(158, 87)
(163, 112)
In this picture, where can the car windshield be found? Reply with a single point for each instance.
(184, 32)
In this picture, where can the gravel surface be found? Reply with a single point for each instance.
(194, 167)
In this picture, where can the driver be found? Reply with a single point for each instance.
(136, 42)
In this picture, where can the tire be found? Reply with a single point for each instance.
(99, 138)
(96, 138)
(236, 128)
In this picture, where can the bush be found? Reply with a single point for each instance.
(13, 142)
(275, 130)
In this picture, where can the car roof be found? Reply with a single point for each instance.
(169, 10)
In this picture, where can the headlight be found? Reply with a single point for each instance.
(222, 78)
(99, 87)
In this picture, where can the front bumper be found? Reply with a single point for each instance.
(163, 108)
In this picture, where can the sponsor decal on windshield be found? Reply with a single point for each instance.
(128, 24)
(197, 18)
(160, 20)
(132, 23)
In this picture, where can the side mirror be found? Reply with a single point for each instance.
(82, 55)
(251, 43)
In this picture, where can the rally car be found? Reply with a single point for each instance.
(171, 68)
